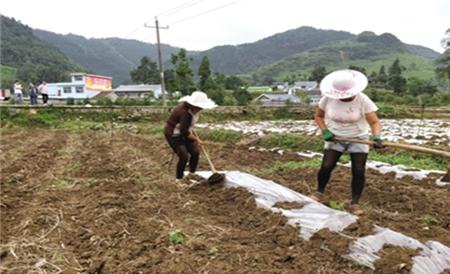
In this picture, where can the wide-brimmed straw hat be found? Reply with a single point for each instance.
(198, 99)
(342, 84)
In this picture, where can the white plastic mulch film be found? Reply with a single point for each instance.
(310, 218)
(434, 257)
(399, 170)
(412, 131)
(313, 216)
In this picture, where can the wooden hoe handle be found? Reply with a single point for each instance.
(397, 145)
(206, 155)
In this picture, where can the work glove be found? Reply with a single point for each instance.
(378, 143)
(327, 135)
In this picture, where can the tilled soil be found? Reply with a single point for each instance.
(92, 202)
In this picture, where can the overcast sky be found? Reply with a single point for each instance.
(202, 24)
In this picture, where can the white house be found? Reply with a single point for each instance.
(138, 91)
(302, 85)
(82, 86)
(277, 100)
(314, 97)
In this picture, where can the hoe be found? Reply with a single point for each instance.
(446, 154)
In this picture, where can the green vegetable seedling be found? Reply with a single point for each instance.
(176, 237)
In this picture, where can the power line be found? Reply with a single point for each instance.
(136, 29)
(179, 8)
(205, 12)
(176, 9)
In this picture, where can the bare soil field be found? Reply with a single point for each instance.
(95, 202)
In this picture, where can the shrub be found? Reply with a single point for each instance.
(70, 101)
(104, 101)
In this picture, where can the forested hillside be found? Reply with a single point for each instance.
(293, 52)
(113, 57)
(366, 50)
(28, 58)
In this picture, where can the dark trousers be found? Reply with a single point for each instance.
(330, 158)
(44, 98)
(184, 148)
(33, 99)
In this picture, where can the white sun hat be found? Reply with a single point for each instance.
(341, 84)
(198, 99)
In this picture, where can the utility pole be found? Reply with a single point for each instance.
(161, 70)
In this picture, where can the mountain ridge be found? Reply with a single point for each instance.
(294, 52)
(25, 56)
(246, 58)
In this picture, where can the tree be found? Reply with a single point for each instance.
(169, 79)
(373, 77)
(268, 80)
(220, 79)
(146, 73)
(443, 65)
(242, 96)
(50, 74)
(290, 79)
(418, 87)
(304, 97)
(360, 69)
(204, 72)
(317, 74)
(214, 91)
(183, 73)
(445, 42)
(382, 77)
(233, 82)
(396, 81)
(443, 62)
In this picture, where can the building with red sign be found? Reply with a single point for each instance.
(82, 86)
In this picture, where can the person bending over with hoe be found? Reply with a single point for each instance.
(346, 112)
(178, 130)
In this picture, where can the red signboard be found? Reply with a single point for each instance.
(96, 82)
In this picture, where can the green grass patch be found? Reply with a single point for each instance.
(298, 142)
(279, 166)
(52, 117)
(396, 111)
(152, 129)
(422, 161)
(291, 141)
(219, 135)
(73, 165)
(76, 125)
